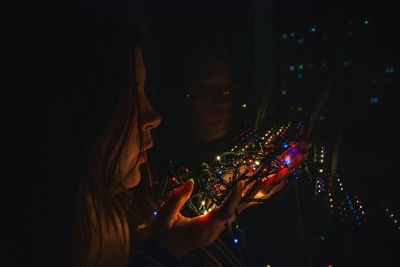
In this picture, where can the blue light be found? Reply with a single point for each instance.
(236, 241)
(300, 76)
(285, 145)
(155, 213)
(374, 100)
(287, 162)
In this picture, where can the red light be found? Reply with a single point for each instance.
(187, 170)
(173, 179)
(330, 265)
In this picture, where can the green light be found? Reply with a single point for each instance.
(322, 238)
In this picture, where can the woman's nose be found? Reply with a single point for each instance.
(151, 119)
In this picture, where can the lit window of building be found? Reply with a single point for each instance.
(374, 100)
(389, 70)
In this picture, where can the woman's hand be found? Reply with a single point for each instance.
(179, 234)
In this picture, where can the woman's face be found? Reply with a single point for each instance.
(130, 155)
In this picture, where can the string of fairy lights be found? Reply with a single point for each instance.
(255, 158)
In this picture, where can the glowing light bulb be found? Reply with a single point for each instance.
(257, 162)
(203, 203)
(244, 105)
(236, 241)
(155, 213)
(218, 158)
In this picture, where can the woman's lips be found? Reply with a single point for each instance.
(143, 157)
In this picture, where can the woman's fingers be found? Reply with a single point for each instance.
(168, 213)
(276, 189)
(227, 209)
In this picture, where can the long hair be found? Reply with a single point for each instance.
(98, 96)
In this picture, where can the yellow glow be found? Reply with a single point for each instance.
(218, 158)
(244, 105)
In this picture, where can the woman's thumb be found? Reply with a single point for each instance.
(175, 202)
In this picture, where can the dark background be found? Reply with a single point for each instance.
(355, 46)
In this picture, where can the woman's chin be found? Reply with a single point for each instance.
(133, 181)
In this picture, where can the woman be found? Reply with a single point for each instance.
(101, 133)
